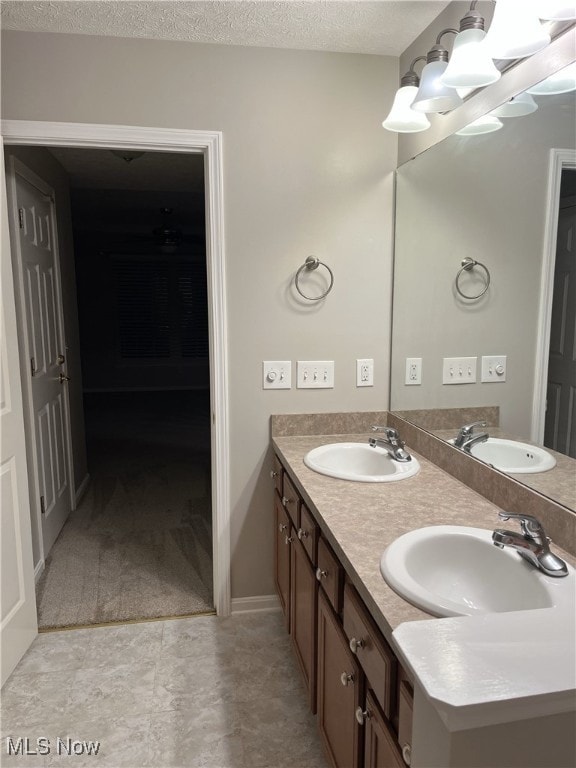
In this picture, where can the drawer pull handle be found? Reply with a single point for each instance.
(362, 716)
(320, 574)
(288, 540)
(302, 534)
(282, 527)
(286, 501)
(407, 753)
(355, 644)
(345, 678)
(273, 474)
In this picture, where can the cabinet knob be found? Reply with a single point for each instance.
(407, 754)
(282, 527)
(345, 678)
(355, 644)
(362, 716)
(273, 474)
(302, 534)
(320, 574)
(286, 501)
(288, 540)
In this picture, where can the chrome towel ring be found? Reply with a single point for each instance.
(468, 264)
(309, 265)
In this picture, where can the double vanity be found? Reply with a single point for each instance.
(368, 559)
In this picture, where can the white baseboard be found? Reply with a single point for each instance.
(81, 490)
(257, 603)
(38, 570)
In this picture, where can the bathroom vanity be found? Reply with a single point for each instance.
(390, 684)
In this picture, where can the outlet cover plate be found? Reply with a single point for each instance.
(413, 371)
(315, 374)
(365, 373)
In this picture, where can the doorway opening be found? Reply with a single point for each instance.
(165, 271)
(139, 545)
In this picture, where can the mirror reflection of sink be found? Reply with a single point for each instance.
(359, 462)
(512, 456)
(451, 570)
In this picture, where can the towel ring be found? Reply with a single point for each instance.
(309, 265)
(468, 264)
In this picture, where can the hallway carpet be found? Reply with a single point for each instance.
(139, 546)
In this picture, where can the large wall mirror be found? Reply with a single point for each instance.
(488, 198)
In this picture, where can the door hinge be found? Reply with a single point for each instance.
(42, 505)
(32, 366)
(21, 217)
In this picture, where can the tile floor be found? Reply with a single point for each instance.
(202, 692)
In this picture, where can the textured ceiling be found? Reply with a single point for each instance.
(353, 26)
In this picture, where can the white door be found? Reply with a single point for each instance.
(35, 239)
(18, 626)
(560, 424)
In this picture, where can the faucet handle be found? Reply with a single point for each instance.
(390, 432)
(467, 429)
(530, 525)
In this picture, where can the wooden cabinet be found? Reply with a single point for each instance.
(340, 691)
(303, 607)
(362, 697)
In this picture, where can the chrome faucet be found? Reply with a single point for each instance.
(392, 443)
(466, 436)
(531, 544)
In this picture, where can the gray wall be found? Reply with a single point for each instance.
(307, 170)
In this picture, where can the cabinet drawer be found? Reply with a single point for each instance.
(330, 574)
(276, 474)
(291, 500)
(308, 533)
(373, 653)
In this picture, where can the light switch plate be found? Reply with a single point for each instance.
(459, 370)
(493, 368)
(315, 374)
(276, 374)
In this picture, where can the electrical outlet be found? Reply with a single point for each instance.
(493, 368)
(276, 374)
(315, 374)
(413, 370)
(459, 370)
(364, 373)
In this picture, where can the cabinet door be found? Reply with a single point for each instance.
(380, 749)
(282, 557)
(303, 608)
(340, 685)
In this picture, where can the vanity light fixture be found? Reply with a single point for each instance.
(470, 64)
(562, 81)
(518, 106)
(557, 10)
(516, 30)
(433, 95)
(402, 118)
(484, 124)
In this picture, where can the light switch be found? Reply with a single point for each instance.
(276, 374)
(459, 370)
(315, 374)
(493, 368)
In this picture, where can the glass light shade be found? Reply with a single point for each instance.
(557, 10)
(484, 124)
(518, 106)
(433, 95)
(515, 31)
(470, 64)
(402, 118)
(560, 82)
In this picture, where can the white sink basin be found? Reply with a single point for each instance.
(451, 570)
(512, 456)
(360, 462)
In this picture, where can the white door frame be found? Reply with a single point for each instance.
(209, 143)
(559, 160)
(15, 167)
